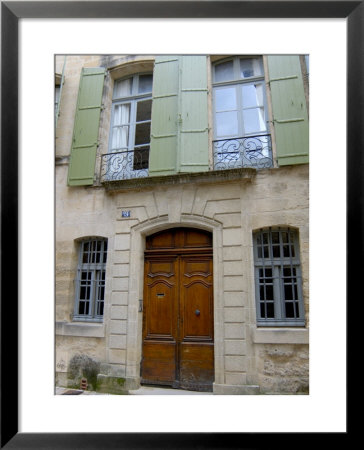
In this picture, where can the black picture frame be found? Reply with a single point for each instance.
(11, 12)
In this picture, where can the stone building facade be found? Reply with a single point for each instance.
(252, 203)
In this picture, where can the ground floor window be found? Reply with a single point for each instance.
(278, 280)
(90, 280)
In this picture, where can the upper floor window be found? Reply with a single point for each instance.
(279, 300)
(90, 280)
(240, 114)
(129, 140)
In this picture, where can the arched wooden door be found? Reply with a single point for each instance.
(178, 326)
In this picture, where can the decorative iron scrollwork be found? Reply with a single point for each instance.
(125, 165)
(250, 151)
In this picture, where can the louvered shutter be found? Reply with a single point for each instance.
(179, 136)
(163, 141)
(193, 155)
(289, 109)
(86, 127)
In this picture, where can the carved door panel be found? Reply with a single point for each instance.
(178, 340)
(196, 331)
(160, 314)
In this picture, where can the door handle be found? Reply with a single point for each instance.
(197, 312)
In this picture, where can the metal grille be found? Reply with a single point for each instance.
(249, 151)
(278, 277)
(125, 165)
(90, 281)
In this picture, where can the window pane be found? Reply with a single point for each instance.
(141, 158)
(290, 310)
(142, 133)
(276, 251)
(100, 309)
(286, 252)
(227, 124)
(145, 83)
(262, 310)
(121, 114)
(224, 71)
(225, 99)
(83, 308)
(120, 134)
(288, 292)
(85, 257)
(123, 88)
(262, 294)
(250, 67)
(120, 138)
(270, 310)
(86, 276)
(275, 237)
(144, 110)
(254, 120)
(252, 95)
(269, 292)
(105, 253)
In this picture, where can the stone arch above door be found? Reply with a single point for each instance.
(138, 238)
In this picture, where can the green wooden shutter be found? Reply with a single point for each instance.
(164, 132)
(179, 136)
(86, 127)
(193, 155)
(289, 109)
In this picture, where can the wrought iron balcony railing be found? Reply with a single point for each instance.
(125, 165)
(249, 151)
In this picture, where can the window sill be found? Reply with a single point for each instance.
(182, 178)
(280, 335)
(80, 329)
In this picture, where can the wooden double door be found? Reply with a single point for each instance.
(178, 327)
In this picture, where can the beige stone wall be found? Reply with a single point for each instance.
(274, 359)
(232, 211)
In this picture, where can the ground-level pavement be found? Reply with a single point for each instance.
(144, 390)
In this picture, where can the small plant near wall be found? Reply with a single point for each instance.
(83, 366)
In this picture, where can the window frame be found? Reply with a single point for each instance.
(133, 100)
(277, 266)
(95, 282)
(237, 82)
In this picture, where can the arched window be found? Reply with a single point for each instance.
(129, 140)
(278, 283)
(90, 280)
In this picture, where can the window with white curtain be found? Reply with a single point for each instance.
(130, 124)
